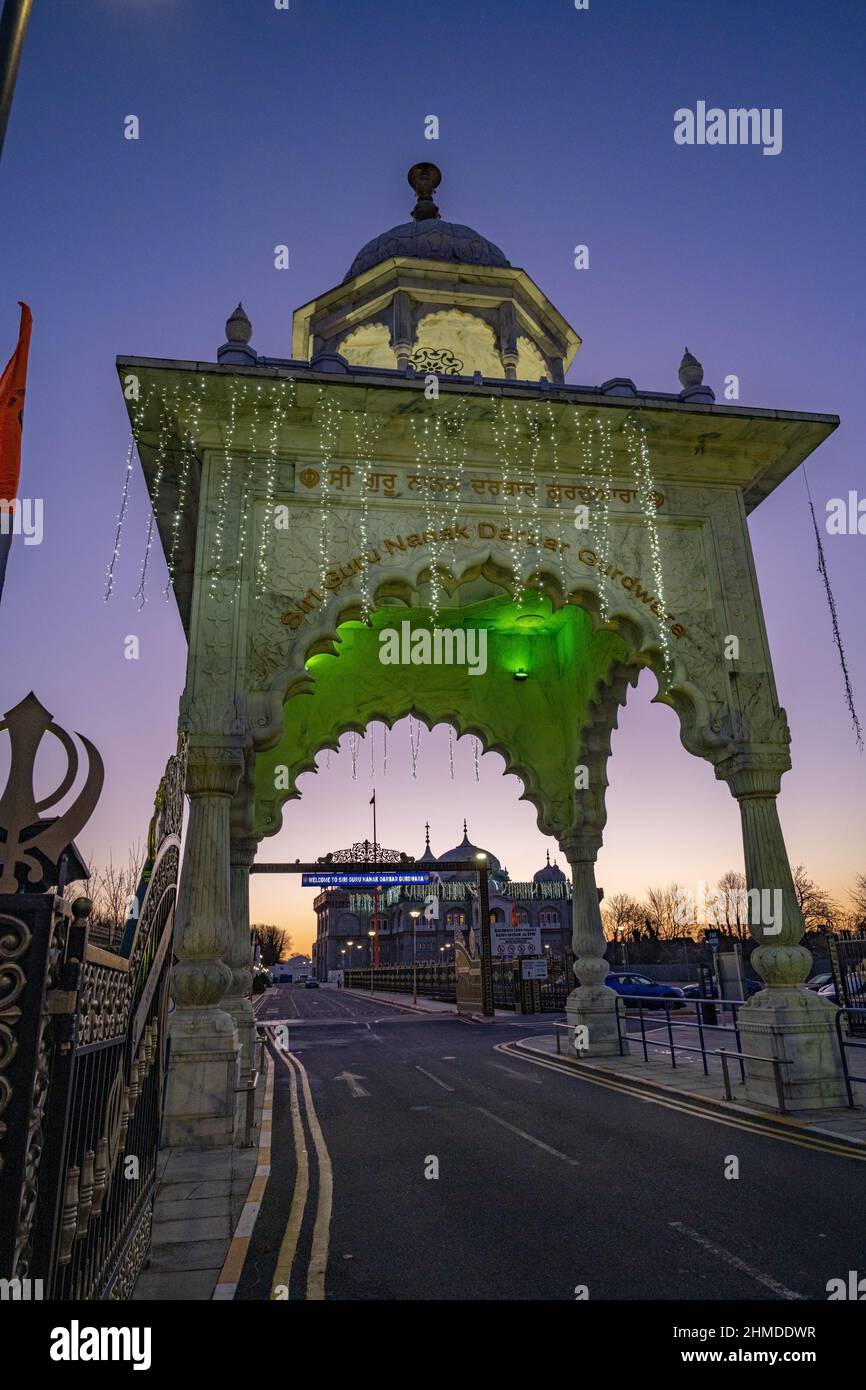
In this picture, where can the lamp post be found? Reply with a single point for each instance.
(371, 935)
(415, 914)
(13, 27)
(486, 945)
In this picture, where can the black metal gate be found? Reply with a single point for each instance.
(82, 1067)
(848, 963)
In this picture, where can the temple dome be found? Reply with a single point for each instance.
(430, 240)
(466, 850)
(551, 873)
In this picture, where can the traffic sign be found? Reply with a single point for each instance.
(508, 942)
(365, 880)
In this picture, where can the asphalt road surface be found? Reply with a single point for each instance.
(420, 1157)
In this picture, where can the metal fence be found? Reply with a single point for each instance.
(439, 982)
(431, 981)
(848, 964)
(83, 1080)
(852, 1020)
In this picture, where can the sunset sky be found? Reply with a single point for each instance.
(261, 127)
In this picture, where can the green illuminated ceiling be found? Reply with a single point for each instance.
(537, 723)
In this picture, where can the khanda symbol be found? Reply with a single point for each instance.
(26, 841)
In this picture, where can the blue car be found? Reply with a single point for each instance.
(638, 987)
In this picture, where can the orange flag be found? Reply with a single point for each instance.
(12, 386)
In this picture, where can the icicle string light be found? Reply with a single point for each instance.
(281, 399)
(553, 446)
(439, 452)
(639, 457)
(124, 502)
(384, 750)
(223, 492)
(477, 746)
(454, 463)
(190, 426)
(414, 744)
(605, 488)
(137, 417)
(502, 430)
(837, 636)
(451, 750)
(246, 485)
(353, 750)
(165, 422)
(367, 431)
(329, 413)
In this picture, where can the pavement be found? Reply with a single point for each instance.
(416, 1155)
(205, 1202)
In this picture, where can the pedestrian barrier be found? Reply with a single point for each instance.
(857, 1025)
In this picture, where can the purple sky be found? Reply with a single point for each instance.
(260, 127)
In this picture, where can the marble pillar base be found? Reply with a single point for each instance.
(593, 1007)
(203, 1079)
(241, 1011)
(798, 1026)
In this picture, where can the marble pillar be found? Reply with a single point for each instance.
(591, 1006)
(237, 1001)
(203, 1077)
(785, 1021)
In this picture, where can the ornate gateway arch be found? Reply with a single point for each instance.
(419, 467)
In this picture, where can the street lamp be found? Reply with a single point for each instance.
(487, 1007)
(371, 935)
(415, 914)
(13, 27)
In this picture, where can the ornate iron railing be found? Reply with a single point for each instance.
(82, 1067)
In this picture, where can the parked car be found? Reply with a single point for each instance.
(856, 987)
(819, 981)
(312, 983)
(637, 987)
(694, 991)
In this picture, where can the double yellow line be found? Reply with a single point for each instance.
(785, 1130)
(318, 1264)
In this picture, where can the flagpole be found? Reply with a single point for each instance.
(375, 960)
(13, 27)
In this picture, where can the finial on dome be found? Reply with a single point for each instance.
(427, 834)
(238, 327)
(239, 331)
(691, 376)
(425, 179)
(465, 831)
(548, 859)
(691, 372)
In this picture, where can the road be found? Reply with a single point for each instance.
(547, 1183)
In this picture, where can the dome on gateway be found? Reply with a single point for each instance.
(432, 240)
(427, 237)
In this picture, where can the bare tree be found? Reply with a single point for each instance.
(858, 897)
(661, 909)
(730, 911)
(816, 905)
(276, 942)
(111, 890)
(620, 916)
